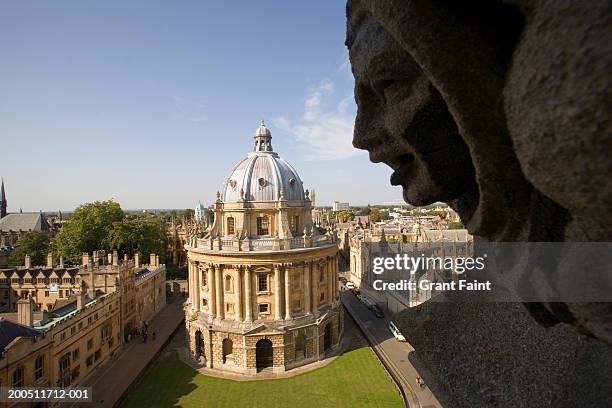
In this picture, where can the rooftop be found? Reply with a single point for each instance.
(10, 330)
(24, 222)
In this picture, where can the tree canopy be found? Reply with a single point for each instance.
(377, 215)
(139, 236)
(87, 229)
(34, 243)
(104, 225)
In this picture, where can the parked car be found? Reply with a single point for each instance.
(396, 333)
(350, 285)
(378, 312)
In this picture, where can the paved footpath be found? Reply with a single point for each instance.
(111, 381)
(394, 353)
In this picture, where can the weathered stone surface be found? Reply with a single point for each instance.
(501, 109)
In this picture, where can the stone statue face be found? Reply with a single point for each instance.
(499, 108)
(403, 121)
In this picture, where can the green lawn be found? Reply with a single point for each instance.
(355, 379)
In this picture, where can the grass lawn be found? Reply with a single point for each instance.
(355, 379)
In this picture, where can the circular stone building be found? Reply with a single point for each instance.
(263, 281)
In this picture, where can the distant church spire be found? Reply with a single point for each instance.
(263, 138)
(3, 204)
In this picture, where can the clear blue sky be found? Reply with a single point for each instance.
(152, 103)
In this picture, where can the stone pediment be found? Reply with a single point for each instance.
(262, 329)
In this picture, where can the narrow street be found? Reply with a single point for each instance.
(111, 381)
(394, 352)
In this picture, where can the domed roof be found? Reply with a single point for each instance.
(262, 130)
(263, 175)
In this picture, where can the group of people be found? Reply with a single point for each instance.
(144, 333)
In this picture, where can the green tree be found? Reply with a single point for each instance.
(345, 216)
(88, 229)
(366, 210)
(456, 225)
(143, 236)
(34, 243)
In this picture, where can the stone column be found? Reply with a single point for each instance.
(330, 277)
(278, 311)
(212, 302)
(335, 261)
(247, 294)
(287, 292)
(307, 285)
(219, 285)
(190, 282)
(239, 294)
(197, 300)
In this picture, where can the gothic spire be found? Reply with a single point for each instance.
(3, 204)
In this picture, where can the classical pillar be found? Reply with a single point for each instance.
(212, 301)
(278, 312)
(287, 292)
(191, 284)
(247, 294)
(197, 301)
(330, 277)
(307, 294)
(335, 260)
(219, 285)
(239, 294)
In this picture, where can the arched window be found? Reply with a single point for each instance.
(231, 226)
(228, 351)
(263, 225)
(300, 346)
(229, 283)
(295, 223)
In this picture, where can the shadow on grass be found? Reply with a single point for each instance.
(355, 379)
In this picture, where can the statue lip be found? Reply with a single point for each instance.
(399, 176)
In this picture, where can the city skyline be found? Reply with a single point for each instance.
(151, 105)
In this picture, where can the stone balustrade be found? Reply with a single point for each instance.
(263, 244)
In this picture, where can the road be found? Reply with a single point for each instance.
(112, 381)
(395, 353)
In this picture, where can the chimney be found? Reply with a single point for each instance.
(85, 259)
(136, 260)
(25, 312)
(92, 284)
(152, 260)
(109, 258)
(28, 262)
(115, 258)
(157, 261)
(61, 261)
(81, 298)
(49, 260)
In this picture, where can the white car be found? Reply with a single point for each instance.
(396, 333)
(350, 285)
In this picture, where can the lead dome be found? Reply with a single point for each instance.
(263, 175)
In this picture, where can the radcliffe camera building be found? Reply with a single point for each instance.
(263, 279)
